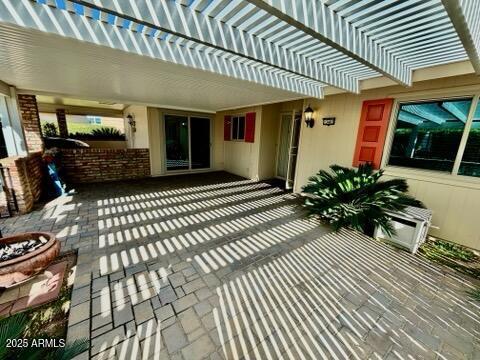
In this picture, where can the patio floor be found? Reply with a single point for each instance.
(216, 266)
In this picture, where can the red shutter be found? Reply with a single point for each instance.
(250, 127)
(227, 125)
(372, 132)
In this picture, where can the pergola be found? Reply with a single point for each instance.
(297, 45)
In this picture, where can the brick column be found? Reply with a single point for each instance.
(24, 179)
(31, 122)
(62, 123)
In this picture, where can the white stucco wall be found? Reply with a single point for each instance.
(138, 139)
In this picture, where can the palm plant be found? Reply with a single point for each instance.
(99, 133)
(355, 198)
(14, 327)
(107, 133)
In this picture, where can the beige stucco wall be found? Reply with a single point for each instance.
(269, 135)
(251, 160)
(455, 200)
(256, 160)
(268, 141)
(218, 148)
(241, 158)
(156, 143)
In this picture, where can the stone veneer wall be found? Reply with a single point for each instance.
(31, 122)
(89, 165)
(24, 180)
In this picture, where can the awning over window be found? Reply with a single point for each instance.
(297, 45)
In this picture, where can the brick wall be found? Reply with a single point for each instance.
(90, 165)
(31, 122)
(62, 123)
(36, 173)
(23, 180)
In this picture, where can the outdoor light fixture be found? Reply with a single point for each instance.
(309, 117)
(131, 122)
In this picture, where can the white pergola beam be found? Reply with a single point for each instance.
(465, 16)
(28, 14)
(172, 17)
(315, 18)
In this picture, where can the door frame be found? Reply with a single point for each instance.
(188, 115)
(292, 134)
(292, 114)
(279, 134)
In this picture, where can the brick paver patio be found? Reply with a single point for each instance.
(215, 266)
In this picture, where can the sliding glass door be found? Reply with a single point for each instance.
(200, 142)
(177, 142)
(187, 141)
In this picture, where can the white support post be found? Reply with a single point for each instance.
(466, 133)
(465, 16)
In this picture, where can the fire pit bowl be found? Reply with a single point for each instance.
(24, 255)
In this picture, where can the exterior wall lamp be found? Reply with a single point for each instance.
(131, 122)
(309, 120)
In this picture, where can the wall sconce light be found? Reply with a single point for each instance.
(309, 120)
(131, 122)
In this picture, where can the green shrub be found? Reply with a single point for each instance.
(107, 132)
(452, 255)
(49, 129)
(84, 128)
(450, 250)
(355, 198)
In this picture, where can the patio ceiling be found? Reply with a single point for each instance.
(298, 46)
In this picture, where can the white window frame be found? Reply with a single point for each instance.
(238, 116)
(445, 95)
(11, 125)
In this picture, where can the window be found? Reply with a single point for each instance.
(3, 146)
(3, 121)
(96, 120)
(238, 128)
(428, 135)
(470, 164)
